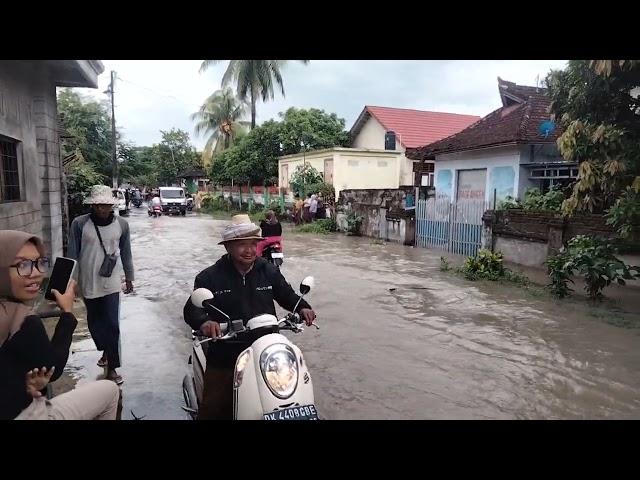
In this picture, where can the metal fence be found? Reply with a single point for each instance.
(452, 226)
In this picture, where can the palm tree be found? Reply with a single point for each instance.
(219, 118)
(253, 78)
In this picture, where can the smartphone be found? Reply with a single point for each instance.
(60, 276)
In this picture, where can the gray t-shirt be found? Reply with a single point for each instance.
(84, 246)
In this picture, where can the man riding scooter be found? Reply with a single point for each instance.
(244, 286)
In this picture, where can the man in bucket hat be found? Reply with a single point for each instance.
(244, 286)
(92, 238)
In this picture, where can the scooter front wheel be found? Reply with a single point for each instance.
(190, 399)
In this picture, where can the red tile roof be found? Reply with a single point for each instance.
(414, 127)
(517, 122)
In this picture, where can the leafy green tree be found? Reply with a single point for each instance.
(597, 104)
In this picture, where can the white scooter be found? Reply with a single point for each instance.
(271, 380)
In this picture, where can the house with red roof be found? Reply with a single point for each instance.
(506, 152)
(376, 158)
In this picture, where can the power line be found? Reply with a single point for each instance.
(155, 92)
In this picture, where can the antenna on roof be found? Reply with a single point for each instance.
(537, 82)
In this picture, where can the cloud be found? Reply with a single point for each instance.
(154, 95)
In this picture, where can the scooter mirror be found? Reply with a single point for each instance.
(306, 285)
(199, 295)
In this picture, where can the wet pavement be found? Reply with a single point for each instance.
(435, 346)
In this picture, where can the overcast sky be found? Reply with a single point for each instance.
(154, 95)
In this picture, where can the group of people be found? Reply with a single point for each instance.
(246, 286)
(308, 209)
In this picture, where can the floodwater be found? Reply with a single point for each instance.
(399, 339)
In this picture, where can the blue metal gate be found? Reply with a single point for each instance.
(452, 226)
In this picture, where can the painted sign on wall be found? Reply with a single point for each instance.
(471, 184)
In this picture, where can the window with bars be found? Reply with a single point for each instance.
(9, 172)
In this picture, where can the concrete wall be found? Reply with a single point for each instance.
(529, 238)
(25, 115)
(523, 252)
(497, 161)
(383, 212)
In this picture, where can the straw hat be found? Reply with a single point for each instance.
(101, 195)
(240, 228)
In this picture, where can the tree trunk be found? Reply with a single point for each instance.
(226, 141)
(253, 108)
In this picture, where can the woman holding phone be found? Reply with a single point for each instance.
(28, 359)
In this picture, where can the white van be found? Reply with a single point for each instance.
(121, 207)
(173, 200)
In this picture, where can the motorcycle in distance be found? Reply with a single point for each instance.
(154, 211)
(272, 251)
(270, 380)
(137, 202)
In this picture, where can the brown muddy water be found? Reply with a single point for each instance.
(399, 339)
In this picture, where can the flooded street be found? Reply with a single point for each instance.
(433, 347)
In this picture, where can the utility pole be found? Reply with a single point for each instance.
(114, 158)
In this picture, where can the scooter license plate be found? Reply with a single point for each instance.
(277, 255)
(308, 412)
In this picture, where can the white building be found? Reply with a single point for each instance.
(504, 153)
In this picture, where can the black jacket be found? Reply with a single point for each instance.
(271, 229)
(242, 298)
(30, 348)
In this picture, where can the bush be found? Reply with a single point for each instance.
(329, 224)
(559, 274)
(625, 213)
(509, 203)
(210, 203)
(81, 176)
(322, 226)
(304, 176)
(256, 208)
(325, 189)
(595, 260)
(536, 200)
(354, 222)
(484, 265)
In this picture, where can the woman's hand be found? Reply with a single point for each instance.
(37, 379)
(65, 302)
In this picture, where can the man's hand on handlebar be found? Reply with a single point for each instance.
(308, 316)
(211, 329)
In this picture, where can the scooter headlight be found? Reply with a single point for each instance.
(241, 363)
(280, 370)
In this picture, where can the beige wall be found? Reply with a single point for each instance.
(352, 168)
(315, 160)
(372, 137)
(365, 170)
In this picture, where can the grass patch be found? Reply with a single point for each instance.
(615, 318)
(377, 241)
(321, 227)
(255, 217)
(445, 266)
